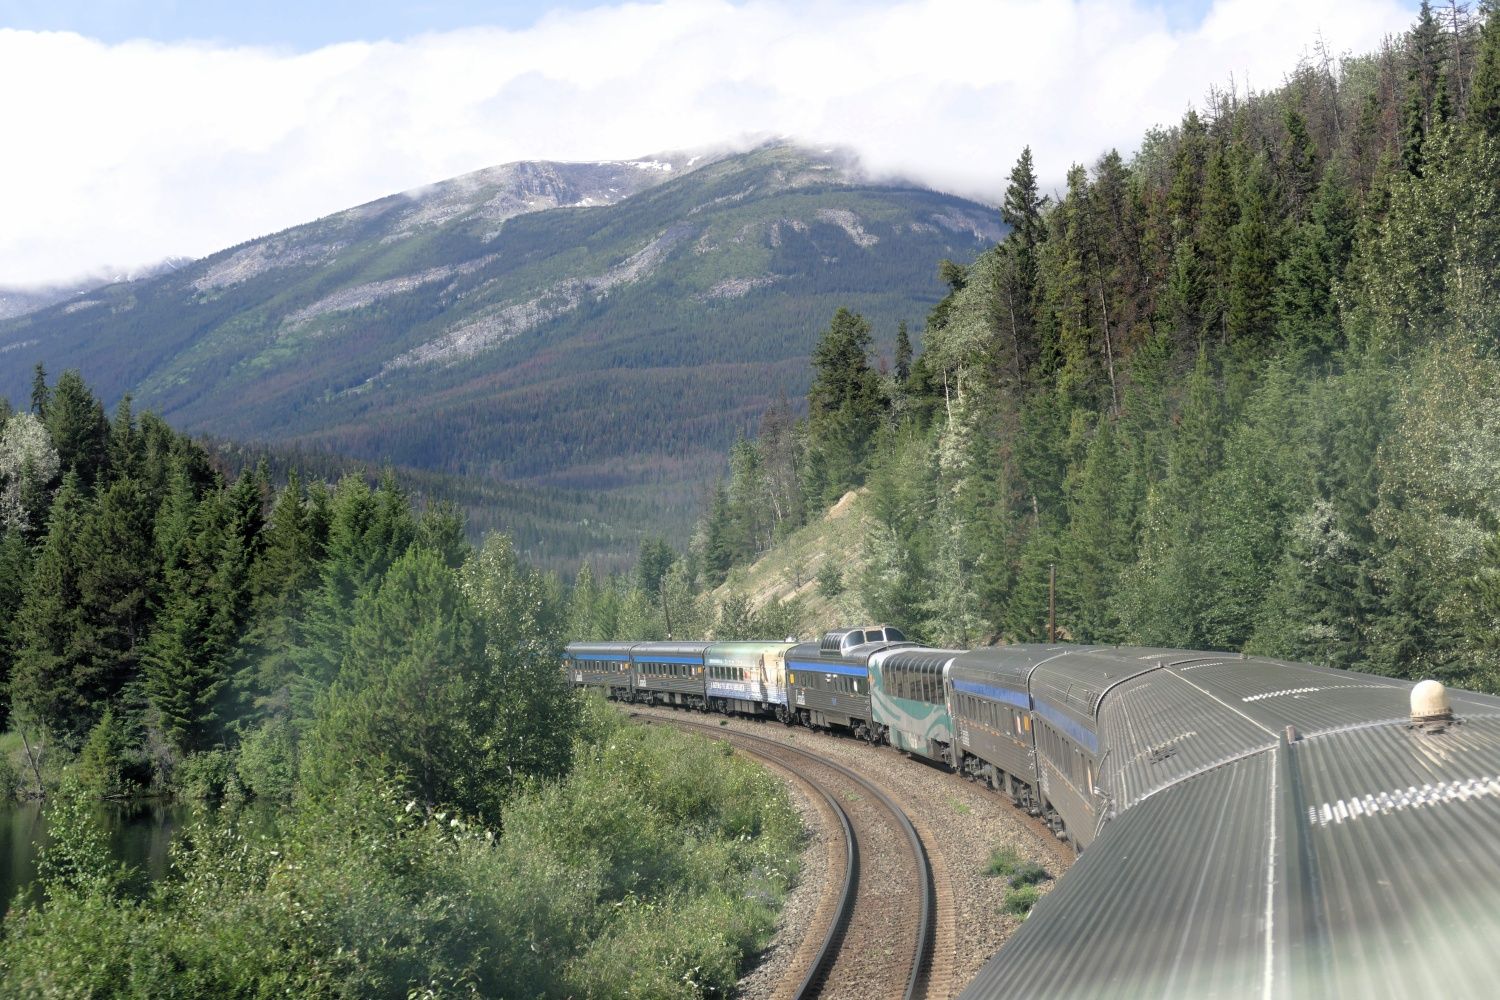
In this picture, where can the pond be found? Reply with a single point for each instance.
(140, 836)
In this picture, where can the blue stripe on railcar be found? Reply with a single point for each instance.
(696, 660)
(1020, 699)
(1080, 734)
(827, 668)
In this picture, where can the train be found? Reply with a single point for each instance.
(1246, 826)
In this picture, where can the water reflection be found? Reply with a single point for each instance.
(140, 835)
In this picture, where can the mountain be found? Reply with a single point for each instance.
(600, 326)
(18, 300)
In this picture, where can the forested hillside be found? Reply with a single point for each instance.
(608, 327)
(386, 698)
(1241, 388)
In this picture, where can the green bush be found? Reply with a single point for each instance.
(652, 869)
(208, 776)
(267, 765)
(104, 761)
(10, 778)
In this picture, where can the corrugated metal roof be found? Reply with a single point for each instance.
(913, 656)
(1314, 699)
(1009, 666)
(585, 648)
(649, 649)
(1160, 729)
(1358, 863)
(1077, 680)
(1402, 829)
(1169, 901)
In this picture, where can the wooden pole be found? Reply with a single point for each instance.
(1052, 602)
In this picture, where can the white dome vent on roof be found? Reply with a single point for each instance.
(1429, 705)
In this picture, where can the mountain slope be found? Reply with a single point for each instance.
(598, 326)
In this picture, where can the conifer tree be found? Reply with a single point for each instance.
(117, 574)
(1100, 540)
(75, 419)
(41, 393)
(1219, 222)
(1252, 270)
(844, 405)
(1484, 93)
(49, 625)
(903, 354)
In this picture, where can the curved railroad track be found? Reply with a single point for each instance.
(875, 936)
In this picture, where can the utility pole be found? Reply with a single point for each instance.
(666, 612)
(1052, 602)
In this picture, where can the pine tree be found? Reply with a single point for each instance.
(1252, 269)
(41, 394)
(1307, 318)
(47, 629)
(367, 531)
(1216, 234)
(1484, 94)
(75, 419)
(1299, 164)
(844, 405)
(117, 574)
(279, 584)
(903, 354)
(1099, 542)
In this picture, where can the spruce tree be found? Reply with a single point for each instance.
(844, 405)
(1484, 93)
(75, 419)
(903, 354)
(117, 575)
(41, 394)
(1252, 270)
(48, 629)
(410, 698)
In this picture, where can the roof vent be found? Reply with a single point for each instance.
(1430, 710)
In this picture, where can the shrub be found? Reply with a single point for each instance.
(103, 762)
(830, 580)
(267, 764)
(208, 776)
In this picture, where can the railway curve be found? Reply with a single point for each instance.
(865, 945)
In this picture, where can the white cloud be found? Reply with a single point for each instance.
(124, 154)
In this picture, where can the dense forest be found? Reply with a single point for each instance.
(1240, 389)
(434, 813)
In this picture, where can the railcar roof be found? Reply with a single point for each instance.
(584, 648)
(912, 656)
(649, 649)
(1353, 859)
(811, 652)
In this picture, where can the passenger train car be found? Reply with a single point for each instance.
(1254, 827)
(828, 682)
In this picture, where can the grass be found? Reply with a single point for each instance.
(1019, 901)
(959, 807)
(791, 567)
(1022, 880)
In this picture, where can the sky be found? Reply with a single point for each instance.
(139, 130)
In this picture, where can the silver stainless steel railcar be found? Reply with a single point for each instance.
(828, 682)
(747, 678)
(670, 673)
(604, 666)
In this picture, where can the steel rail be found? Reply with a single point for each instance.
(921, 963)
